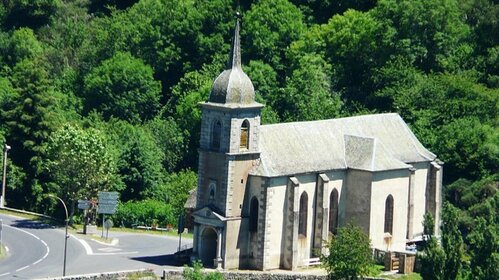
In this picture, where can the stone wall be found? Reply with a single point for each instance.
(258, 275)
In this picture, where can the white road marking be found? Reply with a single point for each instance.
(22, 268)
(4, 274)
(89, 250)
(47, 249)
(85, 245)
(109, 250)
(117, 253)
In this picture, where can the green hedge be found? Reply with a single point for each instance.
(146, 212)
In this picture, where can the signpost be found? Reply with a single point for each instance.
(83, 204)
(107, 205)
(108, 224)
(180, 230)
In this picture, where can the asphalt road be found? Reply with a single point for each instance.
(36, 250)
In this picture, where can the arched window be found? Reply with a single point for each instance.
(333, 211)
(253, 219)
(244, 138)
(216, 134)
(389, 214)
(302, 223)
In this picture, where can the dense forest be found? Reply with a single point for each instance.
(101, 94)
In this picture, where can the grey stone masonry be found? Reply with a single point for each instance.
(315, 274)
(289, 257)
(262, 224)
(410, 207)
(321, 213)
(269, 193)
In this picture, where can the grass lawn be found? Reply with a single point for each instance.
(412, 276)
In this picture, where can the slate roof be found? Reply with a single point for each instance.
(233, 85)
(370, 142)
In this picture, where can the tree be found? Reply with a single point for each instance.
(355, 44)
(427, 31)
(433, 257)
(170, 139)
(123, 87)
(452, 242)
(29, 13)
(484, 245)
(139, 159)
(469, 148)
(350, 253)
(269, 27)
(308, 94)
(22, 44)
(80, 162)
(35, 110)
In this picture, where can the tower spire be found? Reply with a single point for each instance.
(235, 51)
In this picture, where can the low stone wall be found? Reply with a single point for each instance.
(259, 275)
(104, 276)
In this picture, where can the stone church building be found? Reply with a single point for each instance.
(269, 195)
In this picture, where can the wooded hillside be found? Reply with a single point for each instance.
(101, 94)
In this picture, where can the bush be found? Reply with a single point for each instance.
(350, 254)
(195, 273)
(144, 212)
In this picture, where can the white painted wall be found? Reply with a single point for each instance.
(275, 220)
(420, 184)
(385, 183)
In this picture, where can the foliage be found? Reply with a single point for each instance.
(135, 71)
(195, 273)
(484, 245)
(452, 242)
(19, 13)
(175, 190)
(79, 161)
(350, 253)
(139, 159)
(432, 258)
(145, 212)
(269, 28)
(123, 87)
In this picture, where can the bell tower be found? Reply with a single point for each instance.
(228, 149)
(229, 136)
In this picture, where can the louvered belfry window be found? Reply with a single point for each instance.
(215, 136)
(244, 141)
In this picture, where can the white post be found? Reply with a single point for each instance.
(219, 249)
(4, 175)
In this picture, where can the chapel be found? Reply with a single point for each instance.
(269, 195)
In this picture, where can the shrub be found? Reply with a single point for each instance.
(144, 212)
(350, 254)
(195, 273)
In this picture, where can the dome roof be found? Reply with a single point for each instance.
(233, 85)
